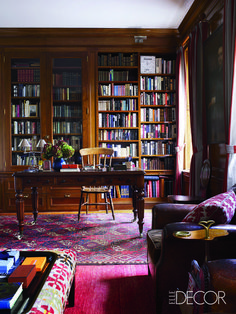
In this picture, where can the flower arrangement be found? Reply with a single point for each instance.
(60, 150)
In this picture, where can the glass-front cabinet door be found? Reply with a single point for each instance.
(67, 101)
(46, 99)
(25, 110)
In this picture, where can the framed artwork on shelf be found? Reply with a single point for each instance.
(33, 109)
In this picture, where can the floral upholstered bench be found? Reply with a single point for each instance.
(59, 286)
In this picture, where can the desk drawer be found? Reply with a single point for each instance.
(63, 199)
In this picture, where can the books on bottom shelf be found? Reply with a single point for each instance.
(151, 186)
(9, 294)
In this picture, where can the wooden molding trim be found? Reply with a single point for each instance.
(163, 40)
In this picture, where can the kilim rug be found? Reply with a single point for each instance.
(97, 238)
(116, 289)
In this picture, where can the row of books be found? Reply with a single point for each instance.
(67, 127)
(153, 64)
(157, 148)
(122, 150)
(120, 191)
(26, 75)
(158, 130)
(24, 109)
(22, 90)
(118, 135)
(67, 111)
(117, 104)
(25, 127)
(66, 79)
(120, 59)
(157, 83)
(21, 160)
(158, 99)
(113, 75)
(157, 114)
(166, 163)
(67, 93)
(108, 120)
(118, 89)
(151, 186)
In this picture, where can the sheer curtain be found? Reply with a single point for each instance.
(196, 39)
(180, 117)
(230, 91)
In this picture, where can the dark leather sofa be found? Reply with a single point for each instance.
(169, 258)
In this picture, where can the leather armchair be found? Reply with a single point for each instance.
(169, 257)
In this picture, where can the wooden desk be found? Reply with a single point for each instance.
(133, 177)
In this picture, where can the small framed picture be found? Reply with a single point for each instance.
(33, 109)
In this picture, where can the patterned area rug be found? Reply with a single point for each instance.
(97, 238)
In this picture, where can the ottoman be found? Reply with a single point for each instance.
(59, 287)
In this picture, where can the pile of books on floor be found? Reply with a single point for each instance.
(16, 275)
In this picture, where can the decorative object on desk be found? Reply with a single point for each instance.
(9, 293)
(57, 164)
(97, 239)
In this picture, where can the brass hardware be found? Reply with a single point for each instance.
(26, 196)
(206, 225)
(67, 195)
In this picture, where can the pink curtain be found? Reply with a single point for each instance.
(230, 91)
(180, 117)
(196, 39)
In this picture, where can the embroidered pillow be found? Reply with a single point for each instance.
(219, 208)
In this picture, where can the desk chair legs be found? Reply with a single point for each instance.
(108, 194)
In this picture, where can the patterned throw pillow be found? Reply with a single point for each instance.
(219, 208)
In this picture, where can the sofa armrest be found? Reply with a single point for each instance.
(177, 254)
(165, 213)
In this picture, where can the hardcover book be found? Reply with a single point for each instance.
(6, 264)
(9, 293)
(38, 261)
(24, 274)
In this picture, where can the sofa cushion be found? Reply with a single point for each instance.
(219, 208)
(154, 240)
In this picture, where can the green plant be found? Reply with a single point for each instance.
(60, 150)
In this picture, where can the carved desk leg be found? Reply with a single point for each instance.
(140, 206)
(34, 195)
(134, 200)
(20, 211)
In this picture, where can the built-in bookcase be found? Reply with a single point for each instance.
(117, 106)
(25, 108)
(67, 101)
(157, 122)
(136, 116)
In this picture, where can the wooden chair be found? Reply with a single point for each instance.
(96, 158)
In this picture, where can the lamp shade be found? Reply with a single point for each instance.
(41, 143)
(24, 144)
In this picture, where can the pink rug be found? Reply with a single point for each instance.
(116, 289)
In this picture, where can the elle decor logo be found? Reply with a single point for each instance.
(199, 297)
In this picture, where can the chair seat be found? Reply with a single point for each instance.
(95, 189)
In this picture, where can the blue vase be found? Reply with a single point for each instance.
(57, 164)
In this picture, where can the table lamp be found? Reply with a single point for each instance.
(24, 144)
(41, 144)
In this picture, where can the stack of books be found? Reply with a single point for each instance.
(17, 273)
(70, 168)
